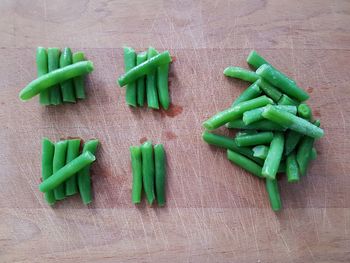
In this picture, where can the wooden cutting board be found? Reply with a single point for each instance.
(215, 211)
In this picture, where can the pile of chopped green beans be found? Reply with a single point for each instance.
(277, 127)
(146, 78)
(148, 170)
(66, 169)
(60, 76)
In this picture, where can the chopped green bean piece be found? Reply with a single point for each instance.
(274, 195)
(254, 139)
(260, 151)
(313, 154)
(163, 89)
(48, 149)
(263, 125)
(285, 100)
(304, 111)
(241, 73)
(256, 114)
(79, 86)
(53, 63)
(148, 170)
(292, 168)
(42, 69)
(245, 163)
(67, 88)
(136, 164)
(72, 153)
(129, 63)
(269, 90)
(255, 59)
(59, 160)
(274, 156)
(151, 83)
(292, 140)
(252, 92)
(160, 173)
(141, 82)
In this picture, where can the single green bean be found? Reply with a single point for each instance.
(292, 122)
(130, 62)
(163, 89)
(249, 93)
(59, 160)
(151, 83)
(235, 112)
(148, 170)
(256, 114)
(144, 68)
(274, 195)
(241, 73)
(140, 83)
(136, 165)
(42, 69)
(53, 62)
(269, 90)
(260, 151)
(48, 149)
(254, 139)
(55, 77)
(313, 154)
(285, 100)
(292, 168)
(263, 125)
(79, 86)
(160, 173)
(255, 59)
(282, 82)
(72, 153)
(274, 156)
(67, 88)
(244, 163)
(304, 111)
(84, 178)
(292, 140)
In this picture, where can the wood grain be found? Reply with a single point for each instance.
(215, 212)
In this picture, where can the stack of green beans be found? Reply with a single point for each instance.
(148, 172)
(66, 169)
(146, 78)
(277, 128)
(60, 76)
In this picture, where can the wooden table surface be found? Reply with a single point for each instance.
(215, 212)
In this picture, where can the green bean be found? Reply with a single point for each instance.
(130, 62)
(72, 153)
(269, 90)
(59, 177)
(292, 122)
(160, 173)
(249, 93)
(263, 125)
(163, 89)
(144, 68)
(292, 168)
(140, 83)
(67, 88)
(241, 73)
(274, 156)
(282, 82)
(255, 60)
(256, 114)
(274, 195)
(48, 149)
(313, 154)
(244, 163)
(260, 151)
(292, 140)
(151, 83)
(304, 111)
(254, 139)
(59, 160)
(55, 77)
(285, 100)
(53, 62)
(136, 165)
(84, 179)
(148, 170)
(235, 112)
(42, 69)
(79, 86)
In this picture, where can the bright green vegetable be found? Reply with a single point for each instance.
(313, 154)
(256, 114)
(144, 68)
(282, 82)
(274, 195)
(255, 60)
(42, 69)
(249, 93)
(292, 122)
(285, 100)
(136, 165)
(59, 177)
(79, 86)
(235, 112)
(304, 111)
(48, 149)
(292, 140)
(274, 156)
(241, 73)
(72, 153)
(84, 179)
(163, 89)
(263, 125)
(254, 139)
(292, 168)
(245, 163)
(55, 77)
(67, 88)
(148, 170)
(151, 83)
(140, 83)
(260, 151)
(130, 62)
(269, 90)
(53, 63)
(59, 160)
(160, 173)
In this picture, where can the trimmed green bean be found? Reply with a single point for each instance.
(72, 153)
(269, 90)
(163, 89)
(84, 178)
(130, 62)
(292, 168)
(235, 112)
(255, 59)
(144, 68)
(79, 86)
(313, 154)
(42, 69)
(151, 83)
(292, 140)
(260, 151)
(59, 160)
(274, 156)
(285, 100)
(256, 114)
(304, 111)
(140, 83)
(53, 62)
(244, 163)
(292, 122)
(67, 88)
(148, 170)
(160, 173)
(252, 92)
(241, 73)
(274, 195)
(263, 125)
(282, 82)
(55, 77)
(136, 165)
(48, 149)
(254, 139)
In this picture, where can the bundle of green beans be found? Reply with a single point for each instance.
(148, 170)
(60, 76)
(146, 77)
(278, 130)
(66, 169)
